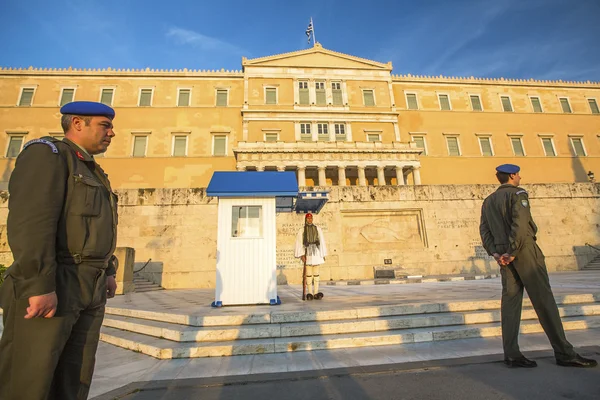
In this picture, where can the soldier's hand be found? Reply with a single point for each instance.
(303, 258)
(507, 258)
(498, 259)
(42, 306)
(111, 286)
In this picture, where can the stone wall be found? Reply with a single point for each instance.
(422, 229)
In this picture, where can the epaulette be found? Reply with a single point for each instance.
(521, 191)
(44, 141)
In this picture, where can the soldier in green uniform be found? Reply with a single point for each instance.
(508, 234)
(62, 231)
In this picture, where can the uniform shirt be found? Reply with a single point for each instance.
(506, 222)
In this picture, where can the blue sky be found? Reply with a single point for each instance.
(543, 39)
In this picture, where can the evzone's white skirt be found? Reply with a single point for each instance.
(313, 255)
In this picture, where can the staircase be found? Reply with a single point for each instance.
(594, 264)
(144, 285)
(167, 335)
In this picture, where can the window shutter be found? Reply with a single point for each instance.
(271, 94)
(146, 98)
(220, 149)
(26, 97)
(578, 146)
(537, 105)
(444, 102)
(107, 96)
(179, 146)
(139, 146)
(184, 98)
(411, 101)
(517, 147)
(221, 98)
(67, 96)
(566, 107)
(453, 146)
(14, 146)
(486, 146)
(548, 148)
(476, 103)
(368, 98)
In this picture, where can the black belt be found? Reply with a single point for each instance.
(76, 259)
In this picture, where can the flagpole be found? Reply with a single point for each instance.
(313, 32)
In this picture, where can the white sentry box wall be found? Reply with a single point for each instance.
(246, 266)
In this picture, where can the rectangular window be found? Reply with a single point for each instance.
(145, 98)
(305, 133)
(517, 146)
(453, 148)
(323, 131)
(219, 145)
(139, 145)
(476, 102)
(320, 91)
(506, 104)
(548, 147)
(14, 146)
(444, 102)
(373, 137)
(593, 106)
(336, 92)
(536, 104)
(26, 98)
(66, 96)
(303, 92)
(368, 97)
(180, 146)
(271, 137)
(411, 101)
(340, 132)
(420, 142)
(486, 146)
(578, 147)
(222, 97)
(183, 98)
(566, 107)
(246, 221)
(107, 96)
(271, 96)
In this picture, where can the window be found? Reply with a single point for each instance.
(593, 106)
(222, 99)
(340, 132)
(485, 143)
(246, 221)
(548, 147)
(66, 96)
(26, 98)
(270, 95)
(578, 148)
(271, 137)
(517, 146)
(411, 101)
(420, 142)
(453, 147)
(506, 104)
(180, 146)
(145, 97)
(106, 96)
(564, 103)
(336, 92)
(323, 131)
(219, 145)
(15, 143)
(140, 142)
(373, 137)
(320, 91)
(369, 97)
(444, 102)
(536, 104)
(305, 133)
(476, 102)
(303, 92)
(183, 97)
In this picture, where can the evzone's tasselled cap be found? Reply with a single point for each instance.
(308, 215)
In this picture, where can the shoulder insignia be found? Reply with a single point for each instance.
(44, 141)
(521, 192)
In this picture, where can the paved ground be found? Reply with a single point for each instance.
(117, 367)
(475, 378)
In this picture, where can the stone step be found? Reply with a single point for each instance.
(184, 333)
(332, 315)
(165, 349)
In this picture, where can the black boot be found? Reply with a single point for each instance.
(319, 296)
(520, 362)
(309, 296)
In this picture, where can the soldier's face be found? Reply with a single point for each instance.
(517, 179)
(100, 134)
(309, 220)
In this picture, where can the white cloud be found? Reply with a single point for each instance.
(203, 42)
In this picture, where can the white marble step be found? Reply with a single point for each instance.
(184, 333)
(227, 318)
(165, 349)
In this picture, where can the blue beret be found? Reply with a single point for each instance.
(87, 108)
(508, 168)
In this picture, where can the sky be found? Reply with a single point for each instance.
(541, 39)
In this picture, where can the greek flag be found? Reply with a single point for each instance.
(309, 30)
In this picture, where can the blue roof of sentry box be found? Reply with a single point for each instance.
(253, 184)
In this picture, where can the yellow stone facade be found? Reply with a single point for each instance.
(367, 125)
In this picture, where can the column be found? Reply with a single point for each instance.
(416, 174)
(281, 168)
(260, 168)
(380, 176)
(362, 180)
(301, 176)
(400, 175)
(322, 178)
(241, 168)
(341, 175)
